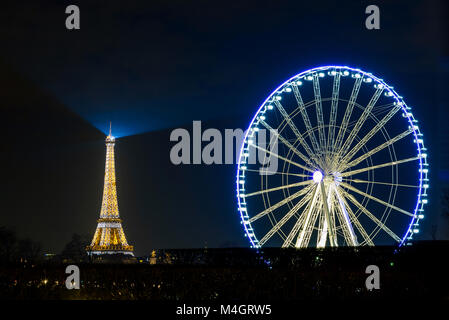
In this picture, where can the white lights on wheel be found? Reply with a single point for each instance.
(317, 176)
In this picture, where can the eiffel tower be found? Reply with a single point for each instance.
(109, 237)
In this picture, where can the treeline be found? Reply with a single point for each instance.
(14, 249)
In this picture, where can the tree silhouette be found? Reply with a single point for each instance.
(8, 241)
(75, 249)
(28, 249)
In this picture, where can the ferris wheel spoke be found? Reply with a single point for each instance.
(372, 217)
(288, 144)
(295, 129)
(382, 183)
(292, 185)
(319, 112)
(348, 112)
(348, 230)
(349, 187)
(305, 118)
(357, 223)
(283, 173)
(360, 122)
(386, 106)
(282, 158)
(289, 240)
(281, 203)
(334, 107)
(309, 220)
(378, 110)
(370, 134)
(377, 149)
(283, 220)
(388, 164)
(311, 226)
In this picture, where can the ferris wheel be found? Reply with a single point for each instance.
(350, 164)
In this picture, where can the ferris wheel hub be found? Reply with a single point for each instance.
(317, 176)
(337, 178)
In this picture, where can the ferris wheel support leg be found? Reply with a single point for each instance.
(347, 219)
(301, 237)
(323, 236)
(328, 222)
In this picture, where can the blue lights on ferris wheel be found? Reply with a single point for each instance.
(297, 81)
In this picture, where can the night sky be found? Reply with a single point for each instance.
(152, 66)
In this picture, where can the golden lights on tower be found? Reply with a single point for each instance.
(109, 237)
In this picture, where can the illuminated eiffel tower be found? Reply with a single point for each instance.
(109, 237)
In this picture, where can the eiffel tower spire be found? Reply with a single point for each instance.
(109, 238)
